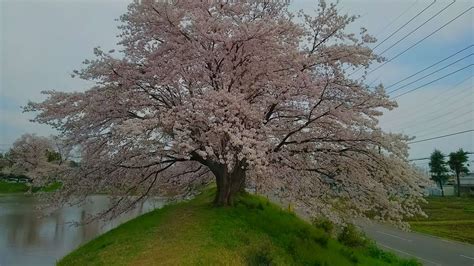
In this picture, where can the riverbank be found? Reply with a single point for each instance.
(32, 235)
(448, 217)
(11, 187)
(7, 187)
(254, 232)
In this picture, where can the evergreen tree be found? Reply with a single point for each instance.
(438, 169)
(458, 164)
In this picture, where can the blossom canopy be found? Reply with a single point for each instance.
(245, 93)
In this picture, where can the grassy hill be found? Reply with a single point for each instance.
(254, 232)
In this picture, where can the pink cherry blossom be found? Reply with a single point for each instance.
(245, 93)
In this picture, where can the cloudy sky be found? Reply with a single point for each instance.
(42, 42)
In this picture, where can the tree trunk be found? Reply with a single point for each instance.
(441, 186)
(229, 184)
(458, 185)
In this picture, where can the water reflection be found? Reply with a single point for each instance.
(26, 238)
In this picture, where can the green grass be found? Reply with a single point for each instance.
(49, 188)
(254, 232)
(6, 187)
(448, 217)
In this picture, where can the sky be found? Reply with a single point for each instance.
(43, 41)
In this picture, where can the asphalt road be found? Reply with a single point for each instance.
(426, 249)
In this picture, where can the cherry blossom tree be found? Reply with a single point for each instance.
(245, 93)
(35, 157)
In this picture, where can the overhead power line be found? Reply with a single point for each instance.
(444, 123)
(433, 81)
(427, 158)
(432, 116)
(451, 127)
(417, 28)
(403, 26)
(443, 136)
(418, 42)
(428, 67)
(435, 99)
(423, 121)
(395, 32)
(395, 19)
(431, 73)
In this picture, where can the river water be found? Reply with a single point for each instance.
(28, 237)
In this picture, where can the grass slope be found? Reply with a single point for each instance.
(254, 232)
(7, 187)
(448, 217)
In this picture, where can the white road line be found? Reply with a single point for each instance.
(467, 257)
(409, 240)
(406, 253)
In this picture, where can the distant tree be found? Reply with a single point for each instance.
(35, 157)
(2, 161)
(438, 169)
(5, 164)
(458, 164)
(53, 156)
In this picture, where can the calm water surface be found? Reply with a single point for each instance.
(28, 238)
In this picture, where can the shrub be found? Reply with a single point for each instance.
(324, 224)
(310, 234)
(377, 253)
(351, 237)
(260, 257)
(321, 239)
(350, 254)
(388, 257)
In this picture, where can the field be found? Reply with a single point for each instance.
(448, 217)
(254, 232)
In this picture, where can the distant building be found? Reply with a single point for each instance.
(467, 184)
